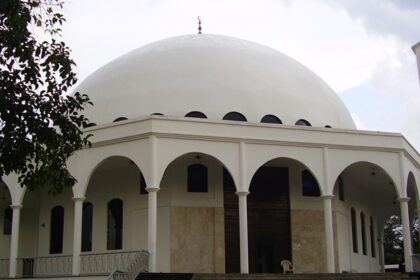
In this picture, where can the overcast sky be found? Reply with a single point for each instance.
(361, 48)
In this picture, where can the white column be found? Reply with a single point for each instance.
(328, 221)
(329, 233)
(14, 242)
(152, 227)
(243, 230)
(77, 233)
(406, 233)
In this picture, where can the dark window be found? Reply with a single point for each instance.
(309, 184)
(57, 230)
(87, 220)
(372, 237)
(363, 222)
(157, 114)
(8, 218)
(142, 184)
(303, 122)
(354, 230)
(197, 178)
(270, 119)
(234, 116)
(340, 188)
(328, 126)
(196, 114)
(120, 119)
(115, 224)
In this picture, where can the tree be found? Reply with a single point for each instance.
(40, 126)
(394, 242)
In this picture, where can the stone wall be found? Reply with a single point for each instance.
(308, 241)
(197, 240)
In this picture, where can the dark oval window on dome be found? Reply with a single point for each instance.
(120, 119)
(89, 125)
(157, 114)
(328, 126)
(234, 116)
(270, 119)
(196, 114)
(303, 122)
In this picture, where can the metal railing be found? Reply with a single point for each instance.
(105, 263)
(129, 264)
(4, 268)
(140, 263)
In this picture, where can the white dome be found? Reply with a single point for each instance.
(214, 75)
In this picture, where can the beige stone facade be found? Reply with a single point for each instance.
(308, 239)
(197, 239)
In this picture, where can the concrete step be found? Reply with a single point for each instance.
(312, 276)
(164, 276)
(264, 276)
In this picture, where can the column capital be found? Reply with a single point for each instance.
(78, 198)
(242, 193)
(16, 206)
(327, 196)
(152, 189)
(403, 199)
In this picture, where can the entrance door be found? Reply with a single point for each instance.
(269, 220)
(269, 239)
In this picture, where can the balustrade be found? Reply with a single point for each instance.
(129, 263)
(4, 268)
(95, 264)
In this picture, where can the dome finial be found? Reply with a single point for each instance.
(199, 25)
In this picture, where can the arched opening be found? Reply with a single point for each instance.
(87, 223)
(6, 216)
(196, 114)
(271, 119)
(204, 213)
(354, 238)
(115, 210)
(303, 122)
(365, 197)
(327, 126)
(115, 224)
(234, 116)
(372, 237)
(157, 114)
(363, 228)
(56, 230)
(270, 219)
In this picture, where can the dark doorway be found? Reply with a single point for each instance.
(269, 220)
(269, 239)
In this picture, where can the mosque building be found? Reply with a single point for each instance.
(214, 154)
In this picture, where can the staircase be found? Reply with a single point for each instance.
(262, 276)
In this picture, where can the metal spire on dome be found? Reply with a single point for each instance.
(199, 25)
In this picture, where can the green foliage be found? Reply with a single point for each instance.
(394, 242)
(40, 125)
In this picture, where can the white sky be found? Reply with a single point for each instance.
(361, 48)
